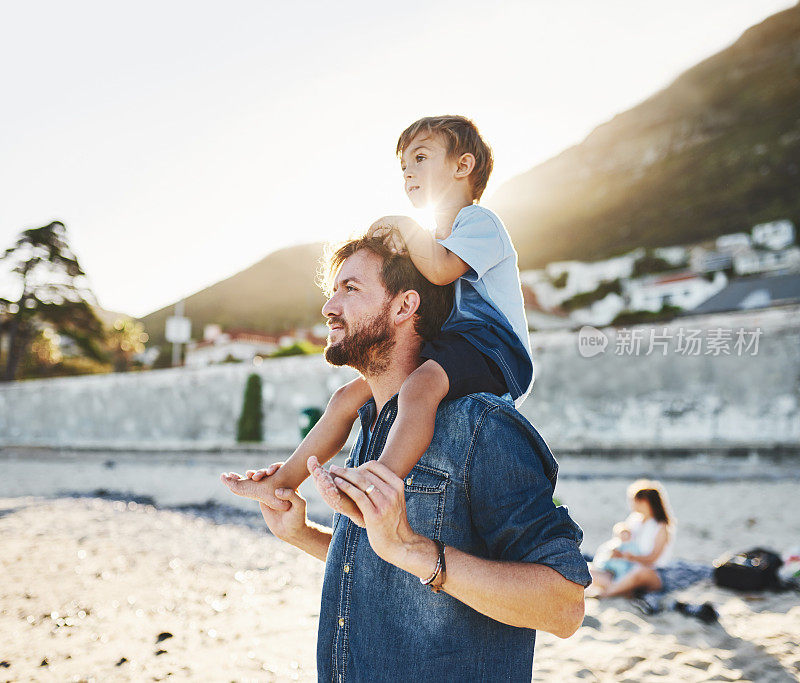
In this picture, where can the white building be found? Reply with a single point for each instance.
(733, 242)
(677, 256)
(775, 235)
(600, 312)
(581, 277)
(758, 261)
(685, 289)
(218, 346)
(704, 260)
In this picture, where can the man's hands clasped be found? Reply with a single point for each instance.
(380, 496)
(375, 496)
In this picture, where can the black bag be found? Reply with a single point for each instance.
(752, 570)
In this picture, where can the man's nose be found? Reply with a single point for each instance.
(330, 309)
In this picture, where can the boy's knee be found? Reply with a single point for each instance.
(428, 380)
(350, 397)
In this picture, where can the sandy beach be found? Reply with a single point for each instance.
(102, 589)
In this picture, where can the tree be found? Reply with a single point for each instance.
(125, 339)
(249, 427)
(52, 290)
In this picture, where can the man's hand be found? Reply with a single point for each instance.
(384, 512)
(517, 593)
(289, 525)
(331, 494)
(251, 486)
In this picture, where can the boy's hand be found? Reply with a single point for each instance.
(390, 229)
(252, 487)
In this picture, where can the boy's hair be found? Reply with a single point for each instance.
(398, 274)
(461, 136)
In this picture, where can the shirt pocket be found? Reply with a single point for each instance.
(426, 488)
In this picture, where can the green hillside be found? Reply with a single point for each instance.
(715, 152)
(272, 295)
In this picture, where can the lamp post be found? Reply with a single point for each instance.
(177, 332)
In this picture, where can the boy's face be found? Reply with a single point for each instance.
(428, 172)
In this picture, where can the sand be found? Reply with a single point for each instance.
(91, 586)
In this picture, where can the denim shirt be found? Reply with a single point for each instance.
(484, 486)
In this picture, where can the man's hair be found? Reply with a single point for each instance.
(398, 274)
(461, 136)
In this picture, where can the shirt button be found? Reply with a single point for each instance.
(409, 480)
(346, 568)
(341, 621)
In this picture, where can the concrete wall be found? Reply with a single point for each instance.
(164, 408)
(610, 400)
(673, 400)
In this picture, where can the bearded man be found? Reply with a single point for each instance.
(449, 573)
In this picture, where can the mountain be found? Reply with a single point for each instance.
(717, 151)
(272, 295)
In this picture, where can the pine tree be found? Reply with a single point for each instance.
(53, 289)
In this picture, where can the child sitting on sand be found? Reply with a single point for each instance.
(623, 542)
(483, 345)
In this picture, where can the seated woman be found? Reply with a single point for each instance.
(652, 534)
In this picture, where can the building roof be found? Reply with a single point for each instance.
(675, 277)
(753, 292)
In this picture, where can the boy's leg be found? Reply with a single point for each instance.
(412, 431)
(454, 368)
(325, 440)
(408, 439)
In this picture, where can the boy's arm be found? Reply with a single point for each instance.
(327, 437)
(324, 440)
(437, 264)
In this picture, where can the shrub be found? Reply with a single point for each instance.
(250, 421)
(667, 312)
(299, 348)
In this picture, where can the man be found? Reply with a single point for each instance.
(510, 561)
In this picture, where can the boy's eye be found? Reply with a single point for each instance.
(420, 157)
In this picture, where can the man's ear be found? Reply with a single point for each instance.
(466, 165)
(407, 305)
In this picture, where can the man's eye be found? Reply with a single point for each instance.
(350, 288)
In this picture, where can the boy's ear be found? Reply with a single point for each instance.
(407, 305)
(466, 164)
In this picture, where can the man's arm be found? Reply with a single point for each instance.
(517, 593)
(293, 526)
(438, 265)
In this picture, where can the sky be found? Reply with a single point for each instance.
(181, 142)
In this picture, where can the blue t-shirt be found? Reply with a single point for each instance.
(488, 309)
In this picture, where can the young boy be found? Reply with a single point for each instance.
(483, 345)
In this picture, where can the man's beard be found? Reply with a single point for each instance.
(367, 347)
